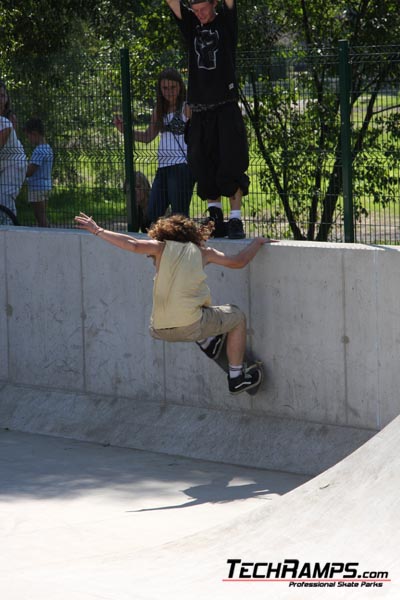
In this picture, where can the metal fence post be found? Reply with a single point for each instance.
(345, 137)
(128, 142)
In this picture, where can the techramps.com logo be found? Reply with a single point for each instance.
(305, 574)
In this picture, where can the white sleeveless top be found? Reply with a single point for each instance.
(172, 149)
(12, 152)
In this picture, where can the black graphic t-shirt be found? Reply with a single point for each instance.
(212, 52)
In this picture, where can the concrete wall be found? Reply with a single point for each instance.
(77, 359)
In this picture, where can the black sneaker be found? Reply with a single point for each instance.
(248, 379)
(235, 229)
(217, 217)
(214, 348)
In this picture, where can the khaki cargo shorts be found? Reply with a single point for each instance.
(214, 321)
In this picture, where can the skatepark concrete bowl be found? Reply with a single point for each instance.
(83, 521)
(349, 514)
(128, 471)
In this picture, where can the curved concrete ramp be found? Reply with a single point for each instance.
(84, 521)
(77, 362)
(349, 514)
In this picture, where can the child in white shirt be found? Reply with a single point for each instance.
(39, 170)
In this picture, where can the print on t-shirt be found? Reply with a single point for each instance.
(206, 48)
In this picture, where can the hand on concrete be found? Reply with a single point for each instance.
(264, 240)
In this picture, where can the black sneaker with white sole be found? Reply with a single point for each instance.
(214, 348)
(235, 229)
(249, 379)
(217, 218)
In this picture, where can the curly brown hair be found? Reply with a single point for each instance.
(179, 228)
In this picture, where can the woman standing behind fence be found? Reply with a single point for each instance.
(173, 183)
(12, 157)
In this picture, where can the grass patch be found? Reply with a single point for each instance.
(106, 206)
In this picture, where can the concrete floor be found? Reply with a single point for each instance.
(78, 519)
(81, 521)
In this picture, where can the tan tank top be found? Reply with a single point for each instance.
(179, 289)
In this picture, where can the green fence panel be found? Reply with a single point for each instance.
(345, 138)
(130, 188)
(312, 177)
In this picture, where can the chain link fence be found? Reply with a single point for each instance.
(311, 167)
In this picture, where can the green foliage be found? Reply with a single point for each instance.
(288, 71)
(66, 202)
(294, 108)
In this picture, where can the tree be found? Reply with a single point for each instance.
(296, 120)
(287, 62)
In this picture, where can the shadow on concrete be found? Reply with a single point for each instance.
(45, 467)
(219, 491)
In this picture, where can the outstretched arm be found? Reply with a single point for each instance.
(175, 6)
(235, 261)
(121, 240)
(140, 136)
(151, 132)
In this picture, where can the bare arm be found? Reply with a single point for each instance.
(151, 132)
(121, 240)
(175, 6)
(140, 136)
(234, 261)
(187, 110)
(13, 118)
(31, 169)
(4, 135)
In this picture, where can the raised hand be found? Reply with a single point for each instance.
(84, 222)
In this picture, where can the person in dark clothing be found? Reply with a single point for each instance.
(217, 142)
